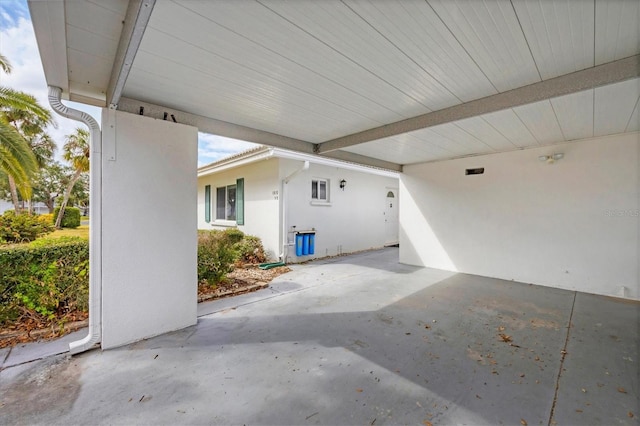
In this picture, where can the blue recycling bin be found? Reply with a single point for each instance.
(305, 244)
(299, 243)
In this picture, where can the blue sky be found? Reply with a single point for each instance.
(18, 44)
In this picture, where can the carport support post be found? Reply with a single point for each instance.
(149, 239)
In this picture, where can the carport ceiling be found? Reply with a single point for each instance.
(379, 82)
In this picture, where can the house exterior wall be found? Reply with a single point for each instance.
(261, 186)
(149, 281)
(353, 220)
(572, 224)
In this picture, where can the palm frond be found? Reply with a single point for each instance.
(15, 99)
(16, 158)
(5, 64)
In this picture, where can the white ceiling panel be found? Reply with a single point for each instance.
(541, 120)
(295, 121)
(468, 143)
(560, 34)
(336, 26)
(617, 33)
(220, 50)
(254, 37)
(575, 114)
(232, 79)
(491, 34)
(348, 72)
(486, 133)
(88, 69)
(511, 126)
(614, 105)
(415, 29)
(89, 42)
(104, 21)
(402, 149)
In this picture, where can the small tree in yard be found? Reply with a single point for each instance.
(76, 151)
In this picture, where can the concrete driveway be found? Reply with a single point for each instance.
(357, 340)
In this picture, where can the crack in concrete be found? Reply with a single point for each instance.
(564, 354)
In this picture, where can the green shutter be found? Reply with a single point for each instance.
(207, 203)
(240, 201)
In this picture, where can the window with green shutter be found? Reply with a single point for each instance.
(207, 203)
(240, 201)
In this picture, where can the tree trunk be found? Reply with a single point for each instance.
(13, 189)
(67, 194)
(49, 204)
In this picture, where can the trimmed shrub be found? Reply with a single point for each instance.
(219, 251)
(71, 217)
(234, 235)
(215, 256)
(46, 277)
(22, 227)
(250, 250)
(47, 218)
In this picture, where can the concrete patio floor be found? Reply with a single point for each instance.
(358, 340)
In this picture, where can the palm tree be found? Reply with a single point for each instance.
(76, 151)
(16, 157)
(32, 128)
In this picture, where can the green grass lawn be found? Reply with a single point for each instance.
(81, 231)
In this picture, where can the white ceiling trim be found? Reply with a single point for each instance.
(135, 24)
(213, 126)
(601, 75)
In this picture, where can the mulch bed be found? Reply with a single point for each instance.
(31, 328)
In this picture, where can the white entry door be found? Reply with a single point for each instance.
(391, 217)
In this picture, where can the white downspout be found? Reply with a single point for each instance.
(285, 182)
(95, 221)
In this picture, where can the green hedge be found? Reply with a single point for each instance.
(47, 276)
(71, 217)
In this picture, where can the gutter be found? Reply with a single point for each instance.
(95, 220)
(285, 182)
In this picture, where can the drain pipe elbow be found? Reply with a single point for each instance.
(95, 220)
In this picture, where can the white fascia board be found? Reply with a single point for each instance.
(48, 20)
(266, 153)
(235, 161)
(314, 159)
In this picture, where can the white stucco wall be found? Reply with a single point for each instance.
(572, 224)
(149, 227)
(261, 188)
(353, 221)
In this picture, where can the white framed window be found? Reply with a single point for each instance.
(320, 190)
(226, 202)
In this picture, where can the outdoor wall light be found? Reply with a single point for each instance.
(343, 183)
(550, 159)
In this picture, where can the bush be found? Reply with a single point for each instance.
(250, 250)
(47, 218)
(46, 277)
(233, 235)
(22, 227)
(215, 256)
(71, 218)
(218, 251)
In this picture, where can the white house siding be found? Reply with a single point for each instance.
(354, 220)
(572, 224)
(261, 186)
